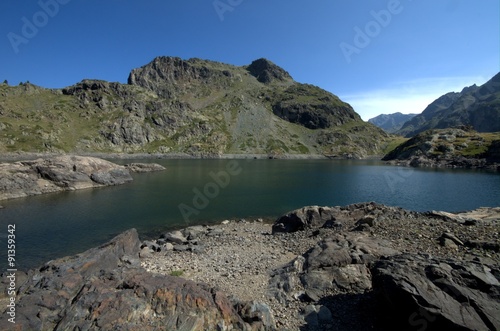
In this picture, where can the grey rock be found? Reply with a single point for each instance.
(181, 248)
(303, 218)
(62, 173)
(112, 177)
(447, 236)
(338, 263)
(145, 252)
(175, 237)
(437, 294)
(144, 167)
(368, 220)
(151, 245)
(481, 244)
(193, 232)
(101, 289)
(257, 314)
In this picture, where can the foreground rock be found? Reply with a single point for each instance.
(358, 267)
(62, 173)
(106, 289)
(438, 294)
(314, 266)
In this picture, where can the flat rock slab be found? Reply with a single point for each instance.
(144, 167)
(62, 173)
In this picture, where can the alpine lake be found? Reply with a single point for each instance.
(199, 191)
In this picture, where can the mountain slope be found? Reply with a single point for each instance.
(191, 106)
(453, 147)
(478, 107)
(391, 122)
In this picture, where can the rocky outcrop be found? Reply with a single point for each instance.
(144, 167)
(340, 217)
(267, 72)
(106, 289)
(312, 107)
(358, 265)
(451, 148)
(62, 173)
(428, 293)
(338, 264)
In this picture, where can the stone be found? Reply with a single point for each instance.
(451, 237)
(256, 311)
(226, 222)
(338, 263)
(368, 220)
(175, 237)
(303, 218)
(144, 167)
(151, 245)
(481, 244)
(145, 252)
(104, 289)
(169, 247)
(193, 232)
(181, 248)
(437, 294)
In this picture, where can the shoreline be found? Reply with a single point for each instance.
(263, 262)
(21, 156)
(235, 252)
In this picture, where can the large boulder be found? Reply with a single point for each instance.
(105, 288)
(424, 293)
(67, 172)
(339, 263)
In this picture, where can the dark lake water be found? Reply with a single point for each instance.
(193, 192)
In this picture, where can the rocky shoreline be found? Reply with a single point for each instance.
(64, 173)
(357, 267)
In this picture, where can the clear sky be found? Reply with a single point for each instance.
(381, 56)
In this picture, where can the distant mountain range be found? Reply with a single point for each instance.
(194, 106)
(475, 107)
(391, 122)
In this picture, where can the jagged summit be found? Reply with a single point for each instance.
(476, 106)
(267, 72)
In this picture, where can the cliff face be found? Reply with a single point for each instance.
(474, 106)
(191, 106)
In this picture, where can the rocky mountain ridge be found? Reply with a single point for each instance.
(475, 106)
(199, 107)
(391, 123)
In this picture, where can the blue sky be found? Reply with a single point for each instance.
(381, 56)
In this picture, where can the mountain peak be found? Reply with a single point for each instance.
(267, 72)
